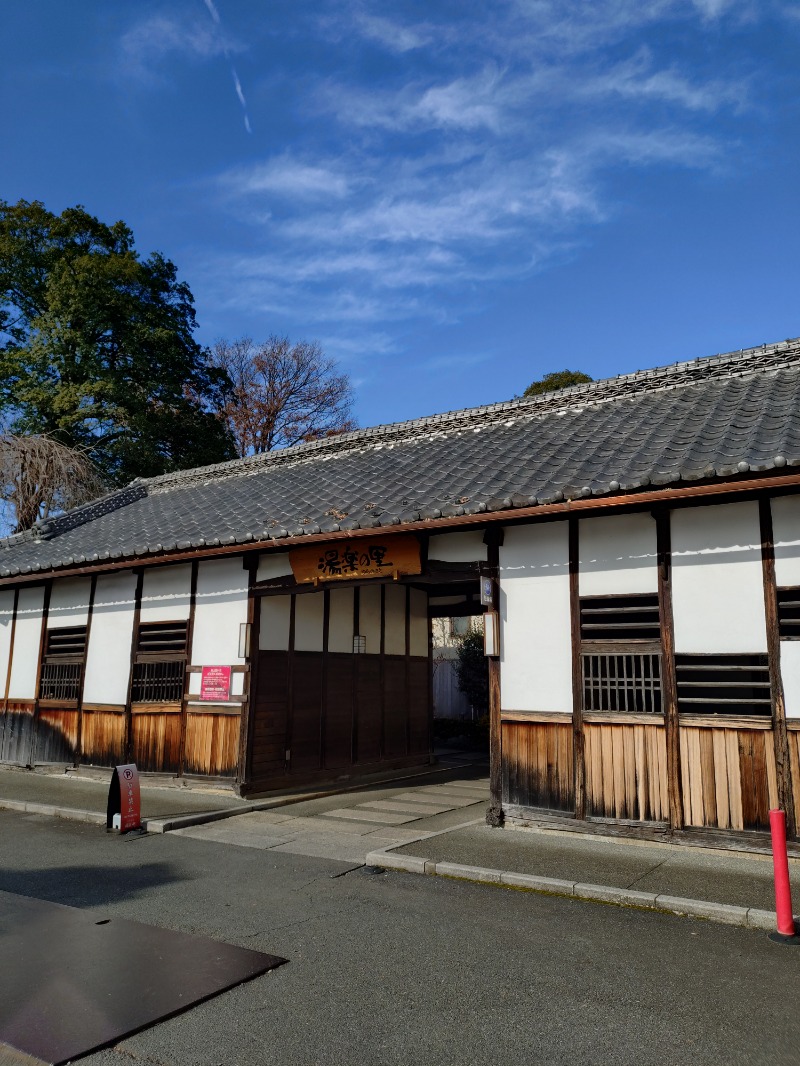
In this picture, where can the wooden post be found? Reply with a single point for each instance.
(355, 665)
(408, 667)
(382, 667)
(79, 742)
(250, 564)
(185, 692)
(48, 589)
(578, 751)
(290, 685)
(10, 650)
(137, 613)
(495, 816)
(669, 687)
(323, 716)
(779, 734)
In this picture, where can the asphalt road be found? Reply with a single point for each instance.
(392, 968)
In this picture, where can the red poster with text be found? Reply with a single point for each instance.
(130, 808)
(215, 683)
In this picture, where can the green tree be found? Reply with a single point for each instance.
(97, 346)
(472, 672)
(558, 379)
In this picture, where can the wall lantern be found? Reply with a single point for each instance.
(244, 639)
(491, 634)
(359, 645)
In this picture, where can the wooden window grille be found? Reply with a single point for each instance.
(626, 618)
(159, 668)
(621, 653)
(622, 683)
(62, 664)
(789, 613)
(723, 684)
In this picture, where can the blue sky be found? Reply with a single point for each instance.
(452, 197)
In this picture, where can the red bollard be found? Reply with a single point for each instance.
(780, 864)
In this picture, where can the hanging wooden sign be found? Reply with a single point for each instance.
(352, 560)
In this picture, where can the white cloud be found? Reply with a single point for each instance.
(289, 177)
(149, 42)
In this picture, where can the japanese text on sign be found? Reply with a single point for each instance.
(351, 560)
(215, 683)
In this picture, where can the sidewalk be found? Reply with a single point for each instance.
(725, 886)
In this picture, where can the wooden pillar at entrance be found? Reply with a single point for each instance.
(669, 687)
(579, 761)
(780, 736)
(493, 538)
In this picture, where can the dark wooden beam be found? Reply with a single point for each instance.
(137, 613)
(48, 589)
(10, 651)
(578, 749)
(669, 687)
(783, 770)
(495, 815)
(89, 615)
(243, 772)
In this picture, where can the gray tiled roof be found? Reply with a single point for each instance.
(706, 419)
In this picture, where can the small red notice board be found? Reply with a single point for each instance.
(215, 683)
(124, 801)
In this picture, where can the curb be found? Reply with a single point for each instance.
(747, 917)
(74, 814)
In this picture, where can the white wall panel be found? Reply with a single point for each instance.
(420, 623)
(369, 617)
(166, 593)
(274, 632)
(535, 638)
(786, 537)
(69, 603)
(617, 555)
(220, 607)
(273, 565)
(108, 656)
(27, 639)
(717, 580)
(790, 672)
(395, 622)
(308, 621)
(457, 547)
(340, 630)
(6, 622)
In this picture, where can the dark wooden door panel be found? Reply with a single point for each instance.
(305, 741)
(368, 697)
(395, 706)
(339, 711)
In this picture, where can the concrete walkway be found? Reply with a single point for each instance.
(348, 827)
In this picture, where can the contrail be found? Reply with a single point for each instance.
(212, 10)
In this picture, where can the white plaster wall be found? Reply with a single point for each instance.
(270, 566)
(369, 617)
(786, 537)
(6, 621)
(220, 607)
(166, 593)
(617, 555)
(790, 672)
(420, 624)
(395, 621)
(457, 547)
(274, 631)
(340, 630)
(108, 656)
(27, 638)
(69, 603)
(309, 613)
(717, 580)
(535, 632)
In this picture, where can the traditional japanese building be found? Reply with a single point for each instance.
(634, 544)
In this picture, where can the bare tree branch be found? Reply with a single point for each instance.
(40, 476)
(281, 393)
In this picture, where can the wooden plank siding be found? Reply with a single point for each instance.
(538, 765)
(155, 740)
(729, 777)
(103, 735)
(626, 772)
(211, 744)
(57, 732)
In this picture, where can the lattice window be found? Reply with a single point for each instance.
(158, 682)
(62, 664)
(723, 684)
(626, 618)
(789, 613)
(160, 663)
(627, 682)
